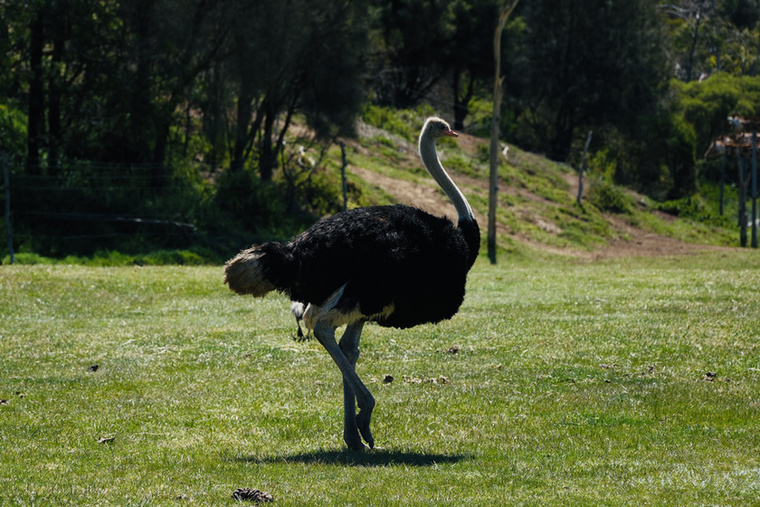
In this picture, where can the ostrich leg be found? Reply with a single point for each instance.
(325, 333)
(349, 344)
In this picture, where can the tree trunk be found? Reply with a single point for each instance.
(54, 105)
(693, 50)
(267, 156)
(564, 128)
(462, 99)
(158, 168)
(244, 111)
(493, 185)
(36, 111)
(141, 119)
(213, 116)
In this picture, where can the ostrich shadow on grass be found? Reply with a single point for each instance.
(373, 458)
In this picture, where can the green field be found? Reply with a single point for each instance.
(560, 382)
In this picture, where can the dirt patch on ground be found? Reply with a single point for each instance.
(636, 242)
(632, 241)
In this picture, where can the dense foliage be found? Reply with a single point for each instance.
(181, 113)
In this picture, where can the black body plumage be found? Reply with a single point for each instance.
(384, 255)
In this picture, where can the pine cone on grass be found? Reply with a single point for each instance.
(251, 495)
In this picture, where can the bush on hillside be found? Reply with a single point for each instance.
(607, 197)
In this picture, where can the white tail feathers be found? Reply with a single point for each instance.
(244, 274)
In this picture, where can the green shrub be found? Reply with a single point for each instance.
(12, 131)
(700, 208)
(462, 165)
(607, 197)
(322, 194)
(253, 204)
(404, 123)
(193, 257)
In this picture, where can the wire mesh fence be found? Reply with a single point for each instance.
(84, 207)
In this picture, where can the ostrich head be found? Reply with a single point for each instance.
(436, 127)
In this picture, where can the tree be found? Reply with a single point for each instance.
(706, 105)
(105, 78)
(291, 57)
(410, 48)
(694, 16)
(585, 63)
(173, 42)
(498, 85)
(712, 35)
(470, 52)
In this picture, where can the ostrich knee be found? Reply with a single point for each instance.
(349, 342)
(351, 351)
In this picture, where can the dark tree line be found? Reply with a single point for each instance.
(166, 83)
(116, 80)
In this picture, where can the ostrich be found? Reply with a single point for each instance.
(394, 265)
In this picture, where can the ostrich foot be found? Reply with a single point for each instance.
(351, 431)
(362, 423)
(354, 441)
(357, 427)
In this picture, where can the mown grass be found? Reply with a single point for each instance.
(574, 384)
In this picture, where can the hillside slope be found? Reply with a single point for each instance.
(537, 200)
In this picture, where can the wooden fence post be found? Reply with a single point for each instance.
(6, 179)
(754, 189)
(343, 175)
(583, 168)
(742, 199)
(722, 180)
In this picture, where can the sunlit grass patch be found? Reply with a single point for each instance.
(558, 383)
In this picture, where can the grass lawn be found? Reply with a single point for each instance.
(622, 382)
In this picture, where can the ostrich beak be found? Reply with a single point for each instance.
(451, 133)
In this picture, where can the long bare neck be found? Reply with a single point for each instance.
(432, 163)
